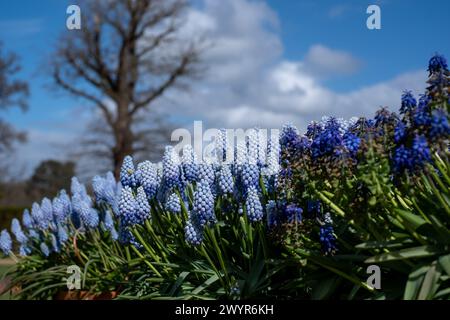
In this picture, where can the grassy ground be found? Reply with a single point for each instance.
(5, 265)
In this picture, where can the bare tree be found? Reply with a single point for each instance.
(127, 54)
(93, 152)
(13, 93)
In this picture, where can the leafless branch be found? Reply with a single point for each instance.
(128, 53)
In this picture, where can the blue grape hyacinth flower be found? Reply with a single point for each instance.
(132, 211)
(27, 220)
(240, 154)
(91, 220)
(253, 146)
(16, 229)
(204, 204)
(250, 175)
(24, 250)
(421, 150)
(225, 181)
(34, 234)
(38, 217)
(421, 116)
(5, 242)
(313, 129)
(109, 225)
(314, 207)
(87, 214)
(326, 235)
(221, 145)
(173, 203)
(77, 188)
(62, 207)
(402, 159)
(399, 132)
(44, 249)
(127, 207)
(382, 116)
(193, 233)
(206, 173)
(264, 142)
(289, 136)
(98, 184)
(424, 100)
(439, 124)
(352, 143)
(408, 102)
(273, 217)
(437, 63)
(273, 156)
(105, 188)
(63, 236)
(47, 210)
(189, 164)
(171, 168)
(253, 205)
(328, 140)
(142, 206)
(148, 178)
(128, 173)
(293, 213)
(56, 246)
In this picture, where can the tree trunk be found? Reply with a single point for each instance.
(122, 149)
(123, 138)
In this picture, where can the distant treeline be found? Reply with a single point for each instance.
(8, 213)
(49, 177)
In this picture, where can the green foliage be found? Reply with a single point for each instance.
(236, 260)
(349, 195)
(405, 231)
(420, 235)
(104, 265)
(404, 228)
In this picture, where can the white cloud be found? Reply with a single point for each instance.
(338, 10)
(249, 83)
(52, 140)
(41, 145)
(240, 38)
(323, 61)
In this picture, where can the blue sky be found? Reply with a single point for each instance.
(273, 61)
(411, 31)
(30, 28)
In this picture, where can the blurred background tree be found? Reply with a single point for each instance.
(49, 178)
(127, 54)
(92, 151)
(13, 93)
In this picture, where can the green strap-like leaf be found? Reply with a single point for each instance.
(416, 252)
(206, 284)
(444, 261)
(430, 282)
(414, 220)
(415, 279)
(178, 283)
